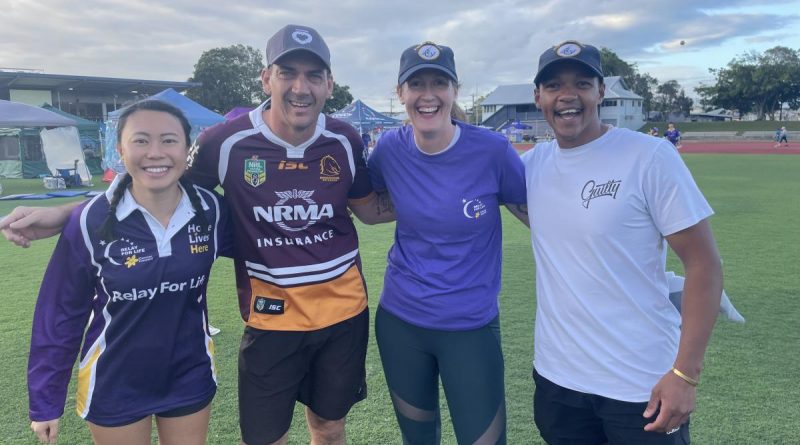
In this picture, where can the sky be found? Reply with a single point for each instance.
(495, 42)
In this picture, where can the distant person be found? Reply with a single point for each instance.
(131, 270)
(780, 136)
(673, 135)
(654, 131)
(365, 137)
(614, 362)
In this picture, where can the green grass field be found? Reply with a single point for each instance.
(749, 392)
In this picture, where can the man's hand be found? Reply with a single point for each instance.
(674, 398)
(26, 224)
(46, 431)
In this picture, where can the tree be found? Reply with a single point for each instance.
(614, 66)
(734, 88)
(642, 84)
(340, 98)
(754, 82)
(230, 77)
(782, 66)
(671, 98)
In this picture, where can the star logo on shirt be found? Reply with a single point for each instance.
(102, 242)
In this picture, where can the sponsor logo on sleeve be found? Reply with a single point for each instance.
(255, 171)
(269, 306)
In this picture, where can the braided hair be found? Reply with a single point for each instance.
(106, 230)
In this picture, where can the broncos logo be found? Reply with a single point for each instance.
(329, 169)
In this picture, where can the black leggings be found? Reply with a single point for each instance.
(470, 364)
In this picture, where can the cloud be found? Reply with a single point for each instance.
(495, 42)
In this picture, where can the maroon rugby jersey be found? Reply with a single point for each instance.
(297, 262)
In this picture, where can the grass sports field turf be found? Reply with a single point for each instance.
(748, 395)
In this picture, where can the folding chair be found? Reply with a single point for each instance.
(70, 175)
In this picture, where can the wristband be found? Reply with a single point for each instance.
(685, 377)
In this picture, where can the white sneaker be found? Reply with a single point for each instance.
(212, 330)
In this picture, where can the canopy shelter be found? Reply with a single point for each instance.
(17, 115)
(27, 152)
(514, 130)
(89, 133)
(515, 125)
(364, 118)
(237, 111)
(199, 117)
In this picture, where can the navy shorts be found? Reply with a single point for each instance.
(175, 412)
(323, 369)
(567, 417)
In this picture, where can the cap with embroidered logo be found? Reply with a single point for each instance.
(293, 38)
(427, 55)
(573, 51)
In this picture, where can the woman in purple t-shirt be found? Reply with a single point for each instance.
(438, 314)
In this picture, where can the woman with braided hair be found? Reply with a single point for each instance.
(131, 269)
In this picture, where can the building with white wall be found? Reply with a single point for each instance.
(620, 108)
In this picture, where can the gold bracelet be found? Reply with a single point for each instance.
(685, 377)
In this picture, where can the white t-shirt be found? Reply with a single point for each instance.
(599, 214)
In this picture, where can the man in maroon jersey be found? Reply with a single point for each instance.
(290, 173)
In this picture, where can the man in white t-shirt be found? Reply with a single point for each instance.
(615, 362)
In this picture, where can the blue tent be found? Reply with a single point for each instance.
(199, 117)
(515, 125)
(364, 118)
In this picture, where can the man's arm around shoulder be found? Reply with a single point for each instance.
(374, 208)
(26, 224)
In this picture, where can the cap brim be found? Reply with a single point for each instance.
(414, 69)
(294, 50)
(553, 63)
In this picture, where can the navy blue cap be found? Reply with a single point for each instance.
(427, 55)
(293, 38)
(571, 50)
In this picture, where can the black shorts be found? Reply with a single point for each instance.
(323, 369)
(567, 417)
(175, 412)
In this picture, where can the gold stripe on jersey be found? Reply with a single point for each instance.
(312, 306)
(210, 350)
(86, 376)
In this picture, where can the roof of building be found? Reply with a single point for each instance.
(518, 94)
(717, 112)
(510, 95)
(103, 85)
(617, 88)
